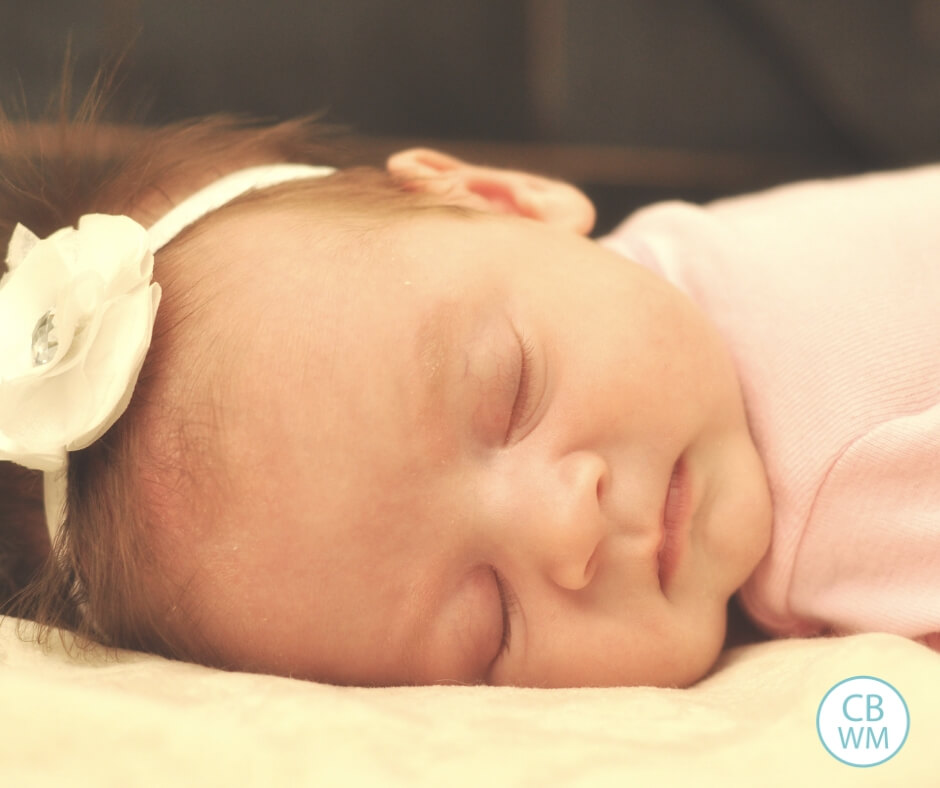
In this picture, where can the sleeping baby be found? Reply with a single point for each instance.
(412, 426)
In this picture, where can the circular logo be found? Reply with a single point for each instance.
(863, 721)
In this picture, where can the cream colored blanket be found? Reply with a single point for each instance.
(141, 720)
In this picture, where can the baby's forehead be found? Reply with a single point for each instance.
(326, 288)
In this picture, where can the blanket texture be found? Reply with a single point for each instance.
(132, 719)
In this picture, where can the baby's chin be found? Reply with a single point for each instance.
(749, 514)
(698, 668)
(759, 534)
(710, 652)
(695, 659)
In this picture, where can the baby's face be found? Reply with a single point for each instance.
(451, 453)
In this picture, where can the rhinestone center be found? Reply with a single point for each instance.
(45, 339)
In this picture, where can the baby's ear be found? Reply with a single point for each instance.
(494, 190)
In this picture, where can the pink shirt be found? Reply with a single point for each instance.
(828, 295)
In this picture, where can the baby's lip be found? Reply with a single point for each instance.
(674, 516)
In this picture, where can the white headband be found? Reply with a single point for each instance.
(76, 319)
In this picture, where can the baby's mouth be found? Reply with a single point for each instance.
(675, 514)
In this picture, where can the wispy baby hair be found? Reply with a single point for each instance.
(102, 578)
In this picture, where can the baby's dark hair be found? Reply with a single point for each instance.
(91, 581)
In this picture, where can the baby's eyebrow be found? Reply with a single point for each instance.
(434, 336)
(435, 341)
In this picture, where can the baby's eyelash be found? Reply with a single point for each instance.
(509, 603)
(520, 403)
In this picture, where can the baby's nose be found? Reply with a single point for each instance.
(575, 524)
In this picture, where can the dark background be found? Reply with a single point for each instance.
(634, 100)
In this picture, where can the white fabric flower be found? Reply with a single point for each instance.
(94, 284)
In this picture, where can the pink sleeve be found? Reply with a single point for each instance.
(869, 558)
